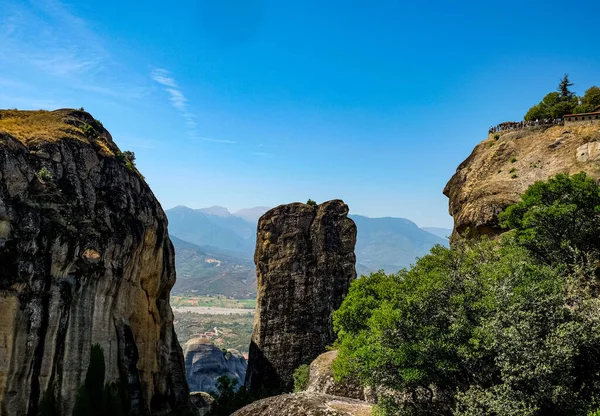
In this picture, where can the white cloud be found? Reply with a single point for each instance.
(176, 96)
(43, 36)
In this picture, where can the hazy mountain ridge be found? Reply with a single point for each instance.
(214, 248)
(208, 270)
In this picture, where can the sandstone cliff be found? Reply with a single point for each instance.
(500, 169)
(85, 259)
(205, 363)
(304, 263)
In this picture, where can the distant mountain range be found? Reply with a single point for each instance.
(215, 248)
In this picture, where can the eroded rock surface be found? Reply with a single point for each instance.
(306, 403)
(499, 170)
(321, 380)
(85, 259)
(304, 263)
(205, 363)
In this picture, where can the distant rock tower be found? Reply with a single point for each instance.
(305, 263)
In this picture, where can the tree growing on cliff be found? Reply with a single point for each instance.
(488, 328)
(558, 218)
(555, 104)
(563, 88)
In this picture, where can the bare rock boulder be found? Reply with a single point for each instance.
(305, 263)
(306, 403)
(321, 380)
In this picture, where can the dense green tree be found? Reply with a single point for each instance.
(583, 108)
(558, 218)
(591, 97)
(564, 107)
(510, 327)
(537, 112)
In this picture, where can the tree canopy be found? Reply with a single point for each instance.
(507, 327)
(564, 101)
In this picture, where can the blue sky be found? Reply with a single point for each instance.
(246, 103)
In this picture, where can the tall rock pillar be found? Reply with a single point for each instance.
(305, 263)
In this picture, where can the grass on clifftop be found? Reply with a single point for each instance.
(31, 125)
(50, 126)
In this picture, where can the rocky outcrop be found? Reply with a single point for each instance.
(321, 380)
(202, 402)
(304, 263)
(501, 168)
(306, 403)
(205, 363)
(85, 259)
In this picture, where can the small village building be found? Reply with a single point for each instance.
(592, 117)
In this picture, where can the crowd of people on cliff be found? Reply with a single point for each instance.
(515, 125)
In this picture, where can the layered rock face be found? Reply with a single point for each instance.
(304, 263)
(499, 170)
(205, 363)
(85, 258)
(306, 403)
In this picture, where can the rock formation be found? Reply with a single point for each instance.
(85, 259)
(321, 380)
(500, 169)
(202, 401)
(306, 403)
(205, 363)
(304, 263)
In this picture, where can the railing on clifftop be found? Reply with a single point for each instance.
(517, 125)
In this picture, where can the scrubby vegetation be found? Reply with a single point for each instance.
(311, 203)
(563, 101)
(44, 174)
(506, 327)
(301, 377)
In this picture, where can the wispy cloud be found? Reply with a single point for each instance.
(208, 139)
(45, 36)
(176, 96)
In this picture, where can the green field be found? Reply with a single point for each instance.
(213, 302)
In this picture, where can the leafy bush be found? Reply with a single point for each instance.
(513, 159)
(88, 130)
(301, 377)
(44, 174)
(128, 158)
(507, 327)
(496, 136)
(311, 203)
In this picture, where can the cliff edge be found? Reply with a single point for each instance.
(85, 259)
(504, 165)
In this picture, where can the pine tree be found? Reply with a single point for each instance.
(563, 88)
